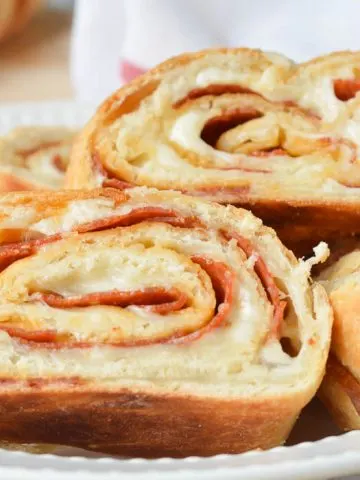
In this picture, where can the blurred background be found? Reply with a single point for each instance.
(85, 49)
(34, 56)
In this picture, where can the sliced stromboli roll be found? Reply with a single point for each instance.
(34, 158)
(340, 389)
(157, 321)
(232, 126)
(150, 132)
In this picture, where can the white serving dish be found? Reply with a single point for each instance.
(316, 449)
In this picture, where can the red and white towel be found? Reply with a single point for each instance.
(115, 40)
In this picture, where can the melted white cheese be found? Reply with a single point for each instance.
(186, 132)
(351, 131)
(78, 212)
(320, 96)
(273, 354)
(19, 217)
(212, 75)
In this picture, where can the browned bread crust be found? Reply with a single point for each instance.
(340, 393)
(340, 390)
(304, 224)
(143, 424)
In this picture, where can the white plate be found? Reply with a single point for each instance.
(333, 456)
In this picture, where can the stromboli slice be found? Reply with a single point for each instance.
(132, 305)
(236, 126)
(340, 390)
(34, 158)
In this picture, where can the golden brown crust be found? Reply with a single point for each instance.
(311, 223)
(340, 393)
(141, 424)
(342, 284)
(340, 390)
(301, 176)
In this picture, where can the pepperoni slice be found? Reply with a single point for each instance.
(39, 336)
(266, 278)
(152, 214)
(215, 90)
(222, 279)
(346, 89)
(223, 89)
(216, 126)
(11, 252)
(59, 163)
(110, 182)
(21, 249)
(159, 299)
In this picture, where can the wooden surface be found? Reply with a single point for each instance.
(34, 65)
